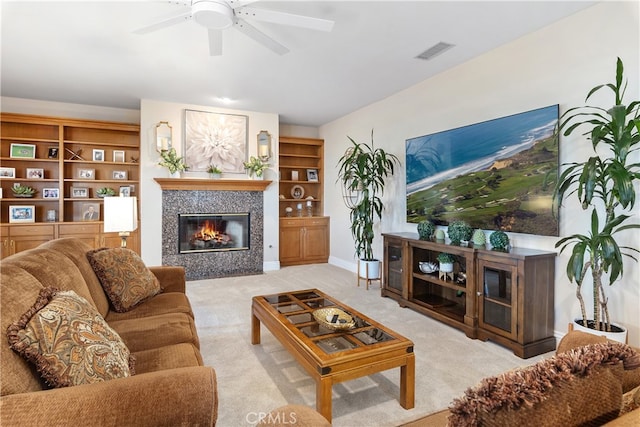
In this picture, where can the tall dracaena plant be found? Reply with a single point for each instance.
(604, 183)
(363, 170)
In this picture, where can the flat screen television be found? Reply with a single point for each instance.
(496, 175)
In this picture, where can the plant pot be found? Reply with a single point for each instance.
(619, 334)
(175, 174)
(446, 267)
(215, 175)
(369, 269)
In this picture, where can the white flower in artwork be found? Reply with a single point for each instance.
(215, 139)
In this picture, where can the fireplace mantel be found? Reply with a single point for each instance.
(187, 184)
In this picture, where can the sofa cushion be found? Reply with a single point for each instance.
(142, 334)
(68, 341)
(19, 290)
(76, 251)
(124, 277)
(168, 357)
(164, 303)
(550, 390)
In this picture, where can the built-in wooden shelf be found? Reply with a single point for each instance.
(212, 184)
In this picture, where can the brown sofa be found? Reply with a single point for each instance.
(609, 394)
(170, 386)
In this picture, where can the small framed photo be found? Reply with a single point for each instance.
(79, 192)
(53, 153)
(125, 191)
(50, 193)
(7, 172)
(87, 173)
(119, 174)
(23, 151)
(312, 175)
(98, 155)
(90, 212)
(35, 173)
(0, 192)
(22, 213)
(294, 175)
(118, 156)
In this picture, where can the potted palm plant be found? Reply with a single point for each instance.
(604, 185)
(362, 171)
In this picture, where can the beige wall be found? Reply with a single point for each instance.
(558, 64)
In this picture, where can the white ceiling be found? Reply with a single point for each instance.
(85, 52)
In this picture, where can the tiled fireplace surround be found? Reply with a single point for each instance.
(178, 197)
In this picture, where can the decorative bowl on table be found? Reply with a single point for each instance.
(428, 267)
(334, 318)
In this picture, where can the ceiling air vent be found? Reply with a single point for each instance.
(435, 50)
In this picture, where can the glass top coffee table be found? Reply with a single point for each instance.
(331, 356)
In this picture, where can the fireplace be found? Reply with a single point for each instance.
(215, 232)
(190, 198)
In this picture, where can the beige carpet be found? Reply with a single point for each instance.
(254, 379)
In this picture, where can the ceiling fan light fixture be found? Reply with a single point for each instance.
(212, 14)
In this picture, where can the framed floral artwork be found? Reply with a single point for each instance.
(215, 139)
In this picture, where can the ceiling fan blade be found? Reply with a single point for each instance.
(165, 22)
(260, 37)
(284, 18)
(215, 42)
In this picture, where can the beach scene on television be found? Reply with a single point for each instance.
(496, 175)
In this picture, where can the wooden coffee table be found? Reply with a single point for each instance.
(332, 357)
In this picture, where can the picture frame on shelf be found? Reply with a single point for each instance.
(35, 173)
(89, 212)
(312, 175)
(118, 156)
(119, 175)
(125, 191)
(52, 153)
(98, 155)
(23, 151)
(0, 192)
(22, 213)
(7, 172)
(294, 175)
(297, 191)
(50, 193)
(79, 192)
(87, 173)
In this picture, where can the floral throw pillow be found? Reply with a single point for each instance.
(123, 276)
(69, 342)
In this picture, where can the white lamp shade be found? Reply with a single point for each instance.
(120, 214)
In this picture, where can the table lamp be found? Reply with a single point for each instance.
(121, 216)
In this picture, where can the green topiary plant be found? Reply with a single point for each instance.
(459, 231)
(425, 230)
(479, 239)
(499, 240)
(446, 258)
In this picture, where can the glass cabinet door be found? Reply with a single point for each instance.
(498, 299)
(394, 267)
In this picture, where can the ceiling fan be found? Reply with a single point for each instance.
(217, 15)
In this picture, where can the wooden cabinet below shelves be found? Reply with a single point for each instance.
(506, 297)
(20, 237)
(304, 240)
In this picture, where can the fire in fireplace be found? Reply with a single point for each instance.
(213, 232)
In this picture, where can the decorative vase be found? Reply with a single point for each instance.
(215, 175)
(615, 336)
(176, 174)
